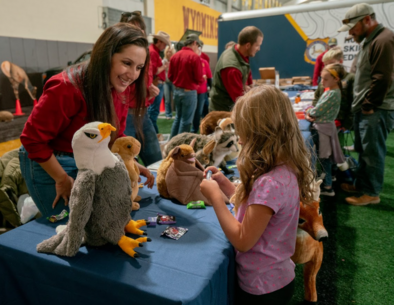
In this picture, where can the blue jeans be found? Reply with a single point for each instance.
(154, 109)
(41, 186)
(205, 109)
(327, 166)
(150, 150)
(198, 113)
(185, 105)
(370, 133)
(168, 89)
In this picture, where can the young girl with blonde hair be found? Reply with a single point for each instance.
(275, 174)
(323, 115)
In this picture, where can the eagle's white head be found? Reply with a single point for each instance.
(90, 146)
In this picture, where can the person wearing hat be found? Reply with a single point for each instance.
(186, 73)
(160, 41)
(319, 65)
(232, 76)
(373, 101)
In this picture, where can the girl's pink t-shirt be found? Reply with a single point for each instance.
(267, 266)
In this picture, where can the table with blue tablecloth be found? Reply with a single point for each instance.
(196, 269)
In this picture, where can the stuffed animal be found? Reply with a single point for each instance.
(214, 147)
(180, 175)
(128, 148)
(183, 152)
(210, 121)
(309, 247)
(100, 198)
(6, 116)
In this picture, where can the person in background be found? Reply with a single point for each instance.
(319, 65)
(168, 85)
(95, 90)
(202, 93)
(345, 116)
(150, 147)
(373, 101)
(323, 116)
(186, 73)
(233, 77)
(229, 45)
(160, 41)
(275, 174)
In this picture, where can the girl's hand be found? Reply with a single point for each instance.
(146, 173)
(217, 175)
(309, 118)
(211, 190)
(63, 190)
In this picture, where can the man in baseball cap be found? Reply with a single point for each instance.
(373, 101)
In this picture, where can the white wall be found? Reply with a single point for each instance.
(71, 20)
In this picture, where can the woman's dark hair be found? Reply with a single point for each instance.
(134, 18)
(93, 77)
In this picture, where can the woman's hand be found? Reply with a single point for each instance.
(153, 91)
(211, 190)
(63, 190)
(150, 179)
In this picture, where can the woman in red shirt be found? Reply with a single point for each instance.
(96, 90)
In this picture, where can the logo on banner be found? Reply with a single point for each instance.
(314, 47)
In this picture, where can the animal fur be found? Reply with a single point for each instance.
(210, 121)
(182, 152)
(212, 148)
(309, 247)
(6, 116)
(128, 148)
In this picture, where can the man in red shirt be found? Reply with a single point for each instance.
(232, 77)
(319, 65)
(160, 41)
(186, 73)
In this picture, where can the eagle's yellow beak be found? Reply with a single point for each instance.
(105, 130)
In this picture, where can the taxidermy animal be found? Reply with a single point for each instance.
(100, 203)
(128, 148)
(215, 146)
(182, 152)
(309, 247)
(210, 121)
(17, 76)
(6, 116)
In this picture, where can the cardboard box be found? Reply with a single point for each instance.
(300, 79)
(285, 81)
(267, 73)
(265, 82)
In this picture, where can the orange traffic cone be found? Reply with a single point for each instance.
(162, 106)
(35, 103)
(18, 108)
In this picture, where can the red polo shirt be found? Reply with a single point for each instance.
(155, 62)
(206, 71)
(205, 56)
(232, 79)
(186, 69)
(319, 65)
(61, 111)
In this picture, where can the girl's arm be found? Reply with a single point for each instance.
(322, 105)
(243, 236)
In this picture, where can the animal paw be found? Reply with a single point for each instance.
(133, 227)
(135, 206)
(128, 244)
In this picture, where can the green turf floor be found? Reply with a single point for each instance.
(358, 263)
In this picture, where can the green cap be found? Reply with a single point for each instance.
(332, 42)
(355, 14)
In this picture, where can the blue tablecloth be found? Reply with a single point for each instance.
(196, 269)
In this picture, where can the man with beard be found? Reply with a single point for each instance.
(232, 77)
(373, 100)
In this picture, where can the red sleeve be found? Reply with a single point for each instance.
(153, 62)
(171, 69)
(208, 71)
(198, 71)
(232, 81)
(250, 79)
(318, 67)
(57, 106)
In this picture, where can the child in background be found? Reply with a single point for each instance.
(323, 115)
(274, 174)
(345, 116)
